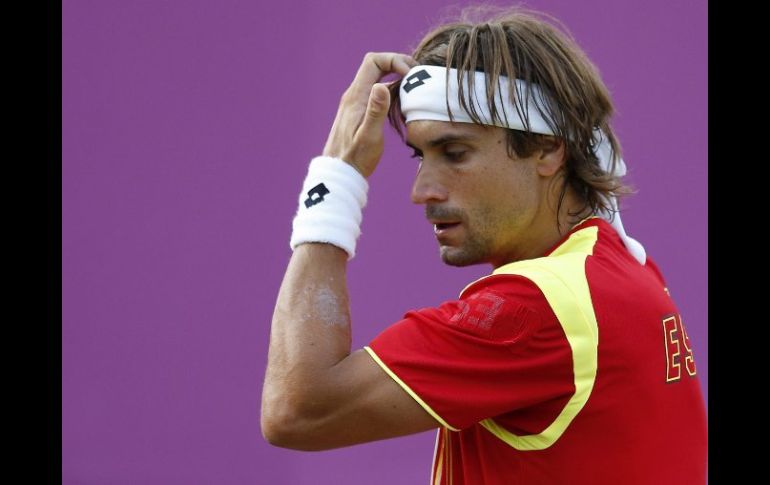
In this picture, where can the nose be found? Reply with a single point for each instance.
(427, 186)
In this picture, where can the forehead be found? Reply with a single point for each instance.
(427, 133)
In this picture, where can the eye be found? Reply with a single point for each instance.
(454, 153)
(417, 154)
(454, 156)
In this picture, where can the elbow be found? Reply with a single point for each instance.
(275, 431)
(282, 425)
(275, 421)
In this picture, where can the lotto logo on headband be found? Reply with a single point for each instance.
(416, 79)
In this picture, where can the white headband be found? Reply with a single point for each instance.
(424, 95)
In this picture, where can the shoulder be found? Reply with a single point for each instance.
(503, 308)
(652, 266)
(514, 288)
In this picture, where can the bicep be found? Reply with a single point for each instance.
(360, 403)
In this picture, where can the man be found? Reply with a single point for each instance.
(570, 363)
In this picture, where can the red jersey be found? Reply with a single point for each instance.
(570, 368)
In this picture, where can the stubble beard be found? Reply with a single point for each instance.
(474, 250)
(480, 243)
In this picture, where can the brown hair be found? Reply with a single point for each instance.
(520, 43)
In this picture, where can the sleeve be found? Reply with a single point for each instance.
(484, 355)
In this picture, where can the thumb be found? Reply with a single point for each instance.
(376, 111)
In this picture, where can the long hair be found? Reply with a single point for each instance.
(524, 44)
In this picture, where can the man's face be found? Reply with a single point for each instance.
(485, 206)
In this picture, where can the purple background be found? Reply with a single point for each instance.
(187, 128)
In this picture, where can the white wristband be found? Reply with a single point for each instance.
(330, 204)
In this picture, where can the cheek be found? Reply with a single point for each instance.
(504, 203)
(519, 186)
(490, 210)
(496, 193)
(503, 192)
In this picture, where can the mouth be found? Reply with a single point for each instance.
(443, 228)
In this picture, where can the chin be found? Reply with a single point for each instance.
(458, 257)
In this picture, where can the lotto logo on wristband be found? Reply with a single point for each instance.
(316, 195)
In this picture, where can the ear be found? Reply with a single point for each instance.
(550, 160)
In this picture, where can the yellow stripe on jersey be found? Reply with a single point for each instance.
(562, 278)
(449, 466)
(408, 389)
(438, 456)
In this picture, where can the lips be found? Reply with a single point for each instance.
(446, 221)
(441, 228)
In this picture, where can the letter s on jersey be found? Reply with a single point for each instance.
(677, 343)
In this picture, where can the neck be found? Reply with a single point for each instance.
(545, 232)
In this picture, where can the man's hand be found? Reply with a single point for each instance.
(356, 135)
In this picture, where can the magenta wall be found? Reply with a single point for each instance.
(187, 127)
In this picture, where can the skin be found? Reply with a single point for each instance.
(317, 394)
(504, 208)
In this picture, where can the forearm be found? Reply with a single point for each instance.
(318, 395)
(310, 331)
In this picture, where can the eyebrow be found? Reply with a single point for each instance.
(443, 140)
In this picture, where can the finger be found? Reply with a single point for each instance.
(389, 84)
(376, 113)
(401, 64)
(375, 66)
(378, 64)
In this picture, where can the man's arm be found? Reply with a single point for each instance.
(316, 394)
